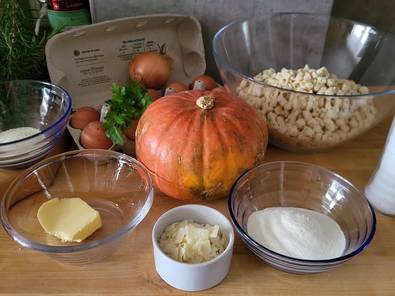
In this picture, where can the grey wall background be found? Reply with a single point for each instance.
(380, 13)
(212, 14)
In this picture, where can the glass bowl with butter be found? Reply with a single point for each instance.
(79, 206)
(299, 217)
(193, 247)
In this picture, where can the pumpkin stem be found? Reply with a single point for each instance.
(205, 102)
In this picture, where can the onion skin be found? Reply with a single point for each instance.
(204, 81)
(152, 69)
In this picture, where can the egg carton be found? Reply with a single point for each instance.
(85, 61)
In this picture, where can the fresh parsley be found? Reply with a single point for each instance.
(127, 103)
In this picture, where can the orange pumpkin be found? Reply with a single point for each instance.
(195, 143)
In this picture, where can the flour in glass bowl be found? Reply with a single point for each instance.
(18, 133)
(297, 232)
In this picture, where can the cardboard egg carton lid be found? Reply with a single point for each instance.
(85, 61)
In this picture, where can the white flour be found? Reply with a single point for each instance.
(297, 233)
(17, 134)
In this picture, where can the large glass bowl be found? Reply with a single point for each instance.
(28, 103)
(302, 185)
(116, 185)
(303, 121)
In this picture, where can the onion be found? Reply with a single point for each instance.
(152, 69)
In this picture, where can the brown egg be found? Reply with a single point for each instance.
(93, 136)
(131, 130)
(154, 94)
(175, 87)
(83, 116)
(204, 82)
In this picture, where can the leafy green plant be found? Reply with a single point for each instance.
(13, 109)
(127, 103)
(21, 51)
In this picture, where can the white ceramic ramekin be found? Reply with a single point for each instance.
(193, 277)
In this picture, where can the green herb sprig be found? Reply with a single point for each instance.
(127, 103)
(21, 51)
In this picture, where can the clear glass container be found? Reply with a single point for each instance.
(302, 185)
(116, 185)
(36, 104)
(381, 190)
(307, 121)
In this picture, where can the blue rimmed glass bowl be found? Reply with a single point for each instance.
(297, 184)
(36, 104)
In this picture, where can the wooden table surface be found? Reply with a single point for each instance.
(131, 271)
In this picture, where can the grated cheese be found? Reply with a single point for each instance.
(191, 242)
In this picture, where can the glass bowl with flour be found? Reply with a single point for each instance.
(299, 217)
(33, 117)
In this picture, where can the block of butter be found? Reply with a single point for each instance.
(70, 219)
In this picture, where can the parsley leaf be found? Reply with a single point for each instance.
(127, 103)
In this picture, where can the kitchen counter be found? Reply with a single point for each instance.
(131, 271)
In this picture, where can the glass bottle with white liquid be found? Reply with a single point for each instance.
(381, 189)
